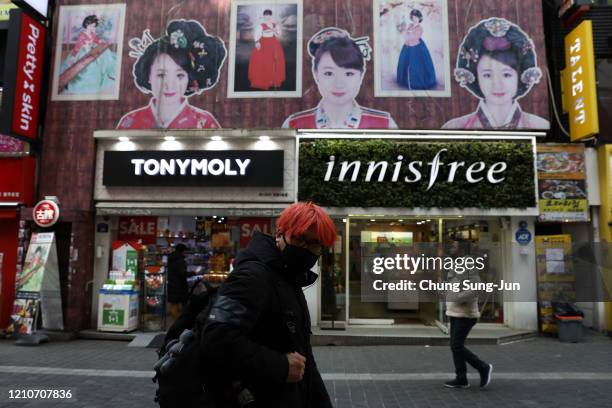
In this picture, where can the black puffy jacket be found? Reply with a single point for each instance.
(247, 334)
(178, 290)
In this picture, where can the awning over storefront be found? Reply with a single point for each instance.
(200, 209)
(429, 212)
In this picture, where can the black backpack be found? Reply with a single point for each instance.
(178, 372)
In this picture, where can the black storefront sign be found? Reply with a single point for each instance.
(193, 168)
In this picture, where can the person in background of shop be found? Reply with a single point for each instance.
(497, 63)
(338, 68)
(178, 289)
(257, 333)
(184, 62)
(463, 313)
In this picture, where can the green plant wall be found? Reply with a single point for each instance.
(516, 191)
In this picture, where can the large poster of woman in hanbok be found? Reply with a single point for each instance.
(338, 68)
(497, 64)
(88, 52)
(265, 49)
(411, 48)
(183, 62)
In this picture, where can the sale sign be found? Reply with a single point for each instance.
(138, 228)
(249, 225)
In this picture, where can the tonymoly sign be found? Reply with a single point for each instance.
(411, 173)
(229, 168)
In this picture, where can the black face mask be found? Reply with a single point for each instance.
(297, 258)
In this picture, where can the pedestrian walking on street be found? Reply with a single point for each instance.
(178, 290)
(256, 340)
(462, 310)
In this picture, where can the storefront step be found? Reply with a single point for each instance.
(136, 338)
(56, 335)
(98, 335)
(432, 336)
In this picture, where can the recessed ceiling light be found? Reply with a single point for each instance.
(124, 139)
(169, 138)
(264, 138)
(217, 138)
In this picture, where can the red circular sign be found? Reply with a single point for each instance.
(46, 213)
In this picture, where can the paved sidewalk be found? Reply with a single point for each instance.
(540, 372)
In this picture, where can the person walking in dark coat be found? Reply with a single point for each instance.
(463, 313)
(178, 290)
(256, 340)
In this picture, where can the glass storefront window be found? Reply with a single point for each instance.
(370, 237)
(212, 243)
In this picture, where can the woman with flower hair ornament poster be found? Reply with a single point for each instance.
(497, 63)
(185, 61)
(338, 68)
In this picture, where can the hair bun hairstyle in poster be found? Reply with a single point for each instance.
(330, 33)
(504, 41)
(185, 61)
(190, 46)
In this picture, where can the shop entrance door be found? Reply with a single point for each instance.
(376, 237)
(384, 237)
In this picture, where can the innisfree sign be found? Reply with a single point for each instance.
(409, 173)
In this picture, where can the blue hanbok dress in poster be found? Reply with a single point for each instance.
(415, 69)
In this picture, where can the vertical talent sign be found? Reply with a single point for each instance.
(578, 82)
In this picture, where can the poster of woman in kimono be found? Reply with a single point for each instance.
(88, 52)
(338, 68)
(185, 61)
(265, 49)
(497, 63)
(411, 48)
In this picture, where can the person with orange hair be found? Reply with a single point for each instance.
(256, 339)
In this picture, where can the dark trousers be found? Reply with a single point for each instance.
(459, 329)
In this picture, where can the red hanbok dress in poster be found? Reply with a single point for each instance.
(267, 64)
